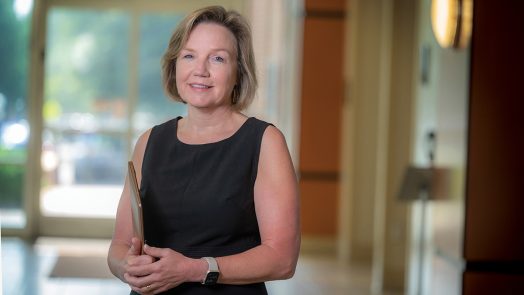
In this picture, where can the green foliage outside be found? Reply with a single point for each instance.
(12, 169)
(87, 61)
(155, 31)
(12, 180)
(88, 56)
(14, 63)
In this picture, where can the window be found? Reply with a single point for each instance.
(15, 16)
(101, 93)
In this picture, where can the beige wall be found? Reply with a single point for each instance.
(377, 137)
(388, 113)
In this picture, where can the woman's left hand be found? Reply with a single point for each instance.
(168, 271)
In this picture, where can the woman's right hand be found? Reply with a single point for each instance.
(134, 258)
(135, 248)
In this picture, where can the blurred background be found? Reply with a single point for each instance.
(404, 119)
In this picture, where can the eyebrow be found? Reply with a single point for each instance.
(212, 50)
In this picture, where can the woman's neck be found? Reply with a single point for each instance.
(200, 119)
(218, 120)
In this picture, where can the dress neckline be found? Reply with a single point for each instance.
(210, 143)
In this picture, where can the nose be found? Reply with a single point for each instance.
(201, 68)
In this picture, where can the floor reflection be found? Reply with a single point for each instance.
(27, 268)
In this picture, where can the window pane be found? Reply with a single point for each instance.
(85, 112)
(153, 106)
(15, 24)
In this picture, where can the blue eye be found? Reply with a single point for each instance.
(218, 59)
(187, 56)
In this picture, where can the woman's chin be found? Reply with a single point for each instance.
(206, 104)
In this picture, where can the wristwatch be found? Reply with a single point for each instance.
(212, 273)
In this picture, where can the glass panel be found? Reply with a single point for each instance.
(15, 26)
(153, 106)
(85, 112)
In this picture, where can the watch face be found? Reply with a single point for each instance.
(211, 278)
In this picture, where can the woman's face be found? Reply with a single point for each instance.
(206, 68)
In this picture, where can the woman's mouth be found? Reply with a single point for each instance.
(199, 86)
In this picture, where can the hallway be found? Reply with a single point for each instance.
(28, 269)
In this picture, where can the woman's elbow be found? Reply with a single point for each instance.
(287, 267)
(288, 272)
(290, 264)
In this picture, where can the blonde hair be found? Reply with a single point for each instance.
(246, 84)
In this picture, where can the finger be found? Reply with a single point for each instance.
(130, 280)
(140, 270)
(137, 281)
(153, 251)
(135, 246)
(138, 262)
(148, 289)
(143, 259)
(141, 265)
(139, 290)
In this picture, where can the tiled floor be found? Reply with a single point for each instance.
(26, 271)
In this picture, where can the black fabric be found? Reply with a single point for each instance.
(199, 199)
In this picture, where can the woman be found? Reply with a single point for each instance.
(218, 188)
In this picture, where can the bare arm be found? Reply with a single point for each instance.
(277, 209)
(121, 250)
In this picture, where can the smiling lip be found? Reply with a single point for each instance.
(199, 86)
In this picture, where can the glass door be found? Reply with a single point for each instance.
(102, 89)
(85, 111)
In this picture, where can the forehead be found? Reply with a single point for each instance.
(211, 35)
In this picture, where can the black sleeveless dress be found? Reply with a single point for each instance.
(199, 199)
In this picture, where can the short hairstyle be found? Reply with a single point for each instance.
(246, 84)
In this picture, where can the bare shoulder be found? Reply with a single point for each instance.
(273, 138)
(143, 138)
(274, 153)
(140, 147)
